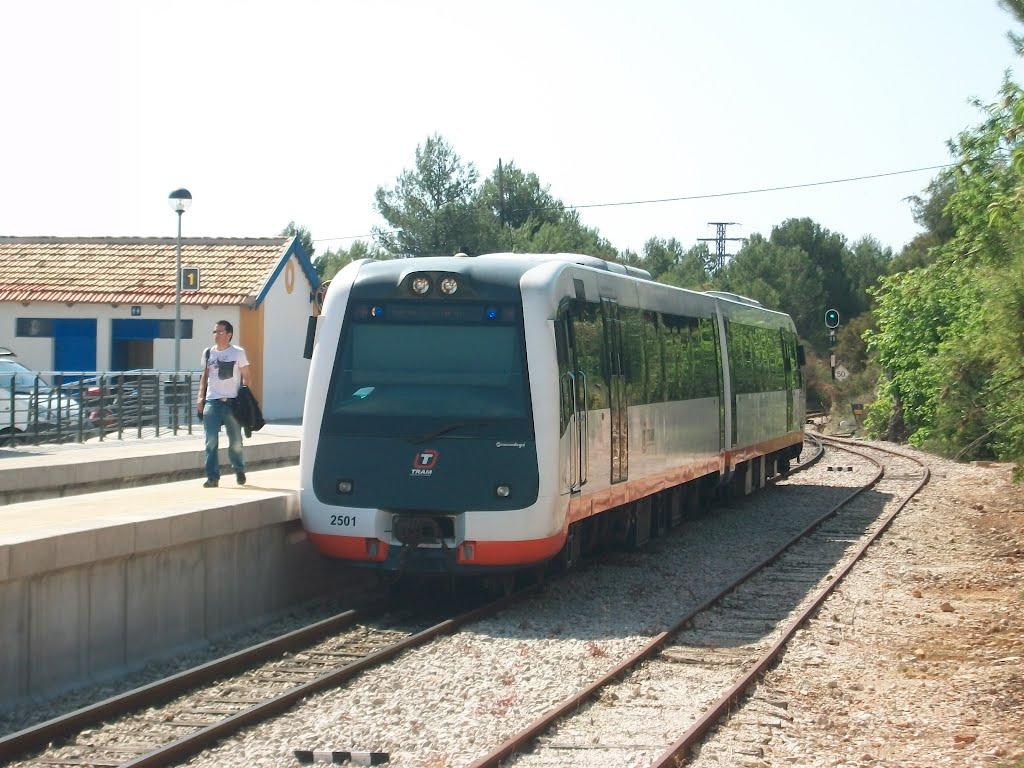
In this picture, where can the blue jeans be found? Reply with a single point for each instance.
(214, 414)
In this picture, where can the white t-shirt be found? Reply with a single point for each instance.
(223, 371)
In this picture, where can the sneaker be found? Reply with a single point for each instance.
(240, 477)
(211, 484)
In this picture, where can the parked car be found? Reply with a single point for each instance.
(119, 400)
(30, 405)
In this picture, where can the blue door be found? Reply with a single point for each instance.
(74, 345)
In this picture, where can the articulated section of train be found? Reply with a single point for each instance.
(476, 415)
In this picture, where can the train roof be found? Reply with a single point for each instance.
(505, 271)
(735, 297)
(574, 258)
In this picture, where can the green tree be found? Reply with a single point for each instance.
(930, 212)
(827, 251)
(1016, 9)
(692, 270)
(864, 262)
(568, 235)
(661, 255)
(331, 262)
(518, 204)
(922, 316)
(781, 277)
(430, 209)
(305, 238)
(950, 335)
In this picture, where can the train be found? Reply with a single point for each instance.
(480, 415)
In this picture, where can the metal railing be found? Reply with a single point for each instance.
(76, 406)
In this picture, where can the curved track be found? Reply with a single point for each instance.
(717, 649)
(653, 708)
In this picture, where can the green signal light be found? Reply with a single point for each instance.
(831, 318)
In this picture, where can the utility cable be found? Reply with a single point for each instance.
(705, 196)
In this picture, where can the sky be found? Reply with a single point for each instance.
(275, 112)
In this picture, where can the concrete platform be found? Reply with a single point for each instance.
(97, 582)
(47, 471)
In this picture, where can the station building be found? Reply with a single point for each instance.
(108, 304)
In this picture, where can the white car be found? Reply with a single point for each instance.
(29, 404)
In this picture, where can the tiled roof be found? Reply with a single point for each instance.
(232, 271)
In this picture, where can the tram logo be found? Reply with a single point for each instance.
(423, 463)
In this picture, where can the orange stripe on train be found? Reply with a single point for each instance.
(370, 550)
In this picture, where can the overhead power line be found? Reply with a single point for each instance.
(760, 190)
(709, 195)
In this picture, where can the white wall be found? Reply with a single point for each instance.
(285, 312)
(202, 337)
(285, 370)
(37, 353)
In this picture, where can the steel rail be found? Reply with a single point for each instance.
(195, 742)
(675, 754)
(161, 691)
(164, 689)
(521, 740)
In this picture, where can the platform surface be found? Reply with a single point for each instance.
(153, 508)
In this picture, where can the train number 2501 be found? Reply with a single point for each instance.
(345, 520)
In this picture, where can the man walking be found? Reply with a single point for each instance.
(225, 369)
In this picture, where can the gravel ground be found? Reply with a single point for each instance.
(916, 660)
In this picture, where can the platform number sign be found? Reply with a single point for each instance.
(831, 318)
(190, 278)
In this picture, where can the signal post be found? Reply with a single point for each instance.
(832, 322)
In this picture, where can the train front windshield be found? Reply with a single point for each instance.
(414, 371)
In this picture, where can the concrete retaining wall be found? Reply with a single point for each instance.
(147, 592)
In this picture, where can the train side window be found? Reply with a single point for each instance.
(588, 333)
(654, 358)
(691, 357)
(634, 363)
(709, 381)
(566, 375)
(676, 339)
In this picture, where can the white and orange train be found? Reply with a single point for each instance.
(477, 415)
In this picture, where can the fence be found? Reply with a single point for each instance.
(63, 406)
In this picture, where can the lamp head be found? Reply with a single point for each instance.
(179, 200)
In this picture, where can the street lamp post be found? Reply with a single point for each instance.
(179, 200)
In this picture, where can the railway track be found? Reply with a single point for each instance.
(655, 707)
(178, 716)
(741, 628)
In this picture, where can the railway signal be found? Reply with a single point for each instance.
(832, 322)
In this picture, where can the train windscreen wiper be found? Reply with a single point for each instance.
(449, 428)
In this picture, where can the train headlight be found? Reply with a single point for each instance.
(449, 285)
(345, 486)
(503, 491)
(421, 285)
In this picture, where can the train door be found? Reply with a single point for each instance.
(727, 385)
(617, 390)
(572, 391)
(708, 337)
(788, 366)
(588, 338)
